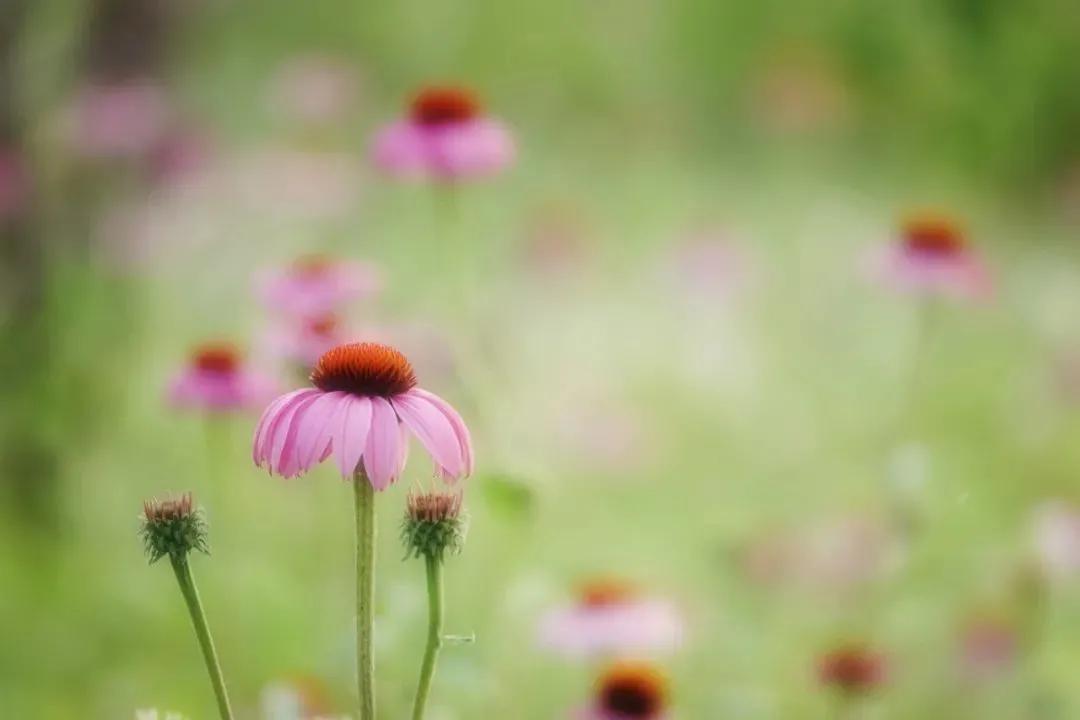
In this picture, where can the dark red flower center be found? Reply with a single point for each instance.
(312, 265)
(366, 369)
(325, 326)
(220, 358)
(852, 669)
(633, 691)
(444, 106)
(606, 592)
(932, 235)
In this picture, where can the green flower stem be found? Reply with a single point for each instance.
(365, 593)
(202, 632)
(435, 639)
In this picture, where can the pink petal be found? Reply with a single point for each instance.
(351, 428)
(434, 431)
(315, 428)
(265, 436)
(460, 431)
(283, 453)
(382, 455)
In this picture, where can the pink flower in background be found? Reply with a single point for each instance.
(852, 669)
(118, 120)
(303, 342)
(446, 137)
(178, 155)
(988, 649)
(628, 690)
(14, 186)
(315, 90)
(611, 618)
(314, 287)
(215, 380)
(709, 265)
(932, 258)
(1056, 539)
(364, 405)
(836, 555)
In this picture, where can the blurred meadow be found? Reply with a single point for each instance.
(657, 322)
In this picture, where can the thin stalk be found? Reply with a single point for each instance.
(364, 496)
(435, 638)
(202, 632)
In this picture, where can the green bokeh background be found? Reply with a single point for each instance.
(803, 129)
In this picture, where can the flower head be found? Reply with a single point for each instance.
(302, 342)
(315, 286)
(433, 525)
(446, 136)
(931, 257)
(364, 403)
(217, 380)
(173, 527)
(121, 120)
(854, 669)
(629, 690)
(611, 616)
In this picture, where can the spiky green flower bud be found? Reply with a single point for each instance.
(173, 527)
(434, 525)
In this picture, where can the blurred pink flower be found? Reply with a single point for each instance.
(216, 381)
(314, 90)
(628, 690)
(1056, 539)
(611, 618)
(14, 185)
(178, 155)
(446, 137)
(988, 649)
(364, 405)
(118, 120)
(837, 555)
(931, 258)
(853, 669)
(301, 343)
(709, 265)
(315, 286)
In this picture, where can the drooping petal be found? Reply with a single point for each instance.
(433, 429)
(271, 421)
(315, 429)
(351, 428)
(283, 454)
(460, 430)
(382, 455)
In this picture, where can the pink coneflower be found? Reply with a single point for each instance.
(364, 404)
(216, 380)
(611, 617)
(852, 669)
(932, 258)
(13, 183)
(315, 286)
(629, 690)
(1056, 539)
(178, 155)
(446, 137)
(118, 120)
(302, 342)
